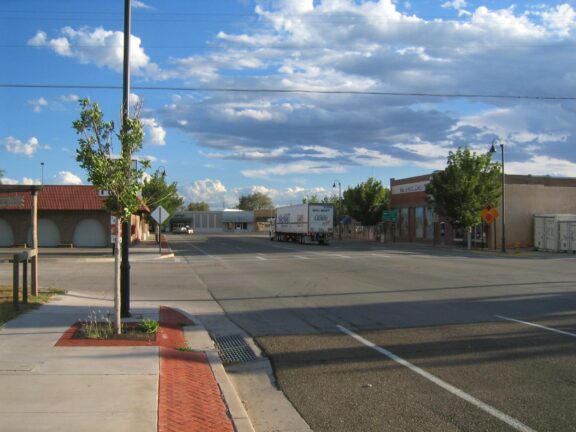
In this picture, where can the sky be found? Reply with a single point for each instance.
(291, 97)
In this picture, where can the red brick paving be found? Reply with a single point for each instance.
(189, 399)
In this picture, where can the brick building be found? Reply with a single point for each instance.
(525, 196)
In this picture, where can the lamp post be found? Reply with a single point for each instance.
(339, 207)
(492, 151)
(163, 172)
(42, 165)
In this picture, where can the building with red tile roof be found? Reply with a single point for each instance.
(73, 216)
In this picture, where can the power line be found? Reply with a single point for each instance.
(290, 91)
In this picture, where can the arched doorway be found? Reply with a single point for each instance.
(48, 233)
(90, 233)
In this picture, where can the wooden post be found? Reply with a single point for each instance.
(34, 261)
(25, 281)
(15, 281)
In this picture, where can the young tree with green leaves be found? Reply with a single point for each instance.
(469, 183)
(255, 201)
(109, 172)
(366, 201)
(157, 192)
(199, 206)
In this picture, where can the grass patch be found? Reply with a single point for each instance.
(7, 311)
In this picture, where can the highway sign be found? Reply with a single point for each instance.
(389, 216)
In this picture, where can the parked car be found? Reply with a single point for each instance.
(183, 230)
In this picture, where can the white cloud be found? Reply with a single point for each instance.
(373, 158)
(69, 98)
(38, 104)
(305, 167)
(543, 165)
(29, 181)
(97, 46)
(137, 4)
(154, 132)
(16, 146)
(561, 19)
(207, 190)
(68, 178)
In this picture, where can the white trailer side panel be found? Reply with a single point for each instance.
(321, 218)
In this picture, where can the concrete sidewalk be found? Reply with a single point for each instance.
(53, 388)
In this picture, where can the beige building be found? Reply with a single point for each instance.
(525, 197)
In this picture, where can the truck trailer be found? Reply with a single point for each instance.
(303, 223)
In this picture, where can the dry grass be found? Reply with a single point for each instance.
(7, 311)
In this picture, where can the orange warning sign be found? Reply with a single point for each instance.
(488, 214)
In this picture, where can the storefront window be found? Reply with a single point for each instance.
(419, 222)
(404, 223)
(429, 224)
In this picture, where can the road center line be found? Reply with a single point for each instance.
(448, 387)
(537, 325)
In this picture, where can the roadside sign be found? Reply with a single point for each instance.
(17, 201)
(489, 214)
(160, 215)
(389, 216)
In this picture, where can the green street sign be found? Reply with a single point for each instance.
(389, 216)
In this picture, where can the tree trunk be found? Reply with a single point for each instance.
(117, 317)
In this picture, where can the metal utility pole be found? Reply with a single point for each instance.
(339, 208)
(126, 225)
(492, 151)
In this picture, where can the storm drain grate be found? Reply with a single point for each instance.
(233, 349)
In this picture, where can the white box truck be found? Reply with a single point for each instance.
(303, 223)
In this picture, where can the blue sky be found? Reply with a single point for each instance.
(353, 89)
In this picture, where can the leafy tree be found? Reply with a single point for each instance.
(315, 199)
(156, 192)
(111, 173)
(199, 206)
(366, 201)
(255, 201)
(469, 183)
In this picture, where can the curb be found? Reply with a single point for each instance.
(198, 339)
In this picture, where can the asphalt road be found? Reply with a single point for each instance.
(450, 360)
(366, 337)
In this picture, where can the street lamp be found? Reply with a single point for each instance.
(160, 213)
(339, 207)
(492, 151)
(42, 165)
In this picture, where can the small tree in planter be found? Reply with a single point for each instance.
(114, 174)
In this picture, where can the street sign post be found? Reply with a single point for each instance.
(159, 215)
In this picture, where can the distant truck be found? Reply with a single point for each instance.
(303, 223)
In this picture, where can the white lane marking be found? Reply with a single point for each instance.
(301, 257)
(380, 255)
(203, 252)
(537, 325)
(455, 391)
(340, 256)
(261, 258)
